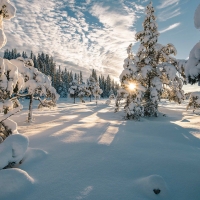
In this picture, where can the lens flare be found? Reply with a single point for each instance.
(132, 86)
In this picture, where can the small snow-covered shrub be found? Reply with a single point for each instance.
(194, 101)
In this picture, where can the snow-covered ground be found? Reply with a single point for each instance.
(83, 151)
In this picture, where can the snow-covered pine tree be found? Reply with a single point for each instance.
(148, 74)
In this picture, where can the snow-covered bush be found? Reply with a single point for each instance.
(194, 101)
(36, 84)
(149, 73)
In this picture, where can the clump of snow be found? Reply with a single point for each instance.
(197, 18)
(145, 70)
(151, 185)
(12, 150)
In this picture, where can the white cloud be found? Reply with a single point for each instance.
(170, 27)
(63, 30)
(168, 9)
(166, 3)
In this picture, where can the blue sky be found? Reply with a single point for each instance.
(86, 34)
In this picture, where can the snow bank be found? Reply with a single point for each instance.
(12, 150)
(14, 181)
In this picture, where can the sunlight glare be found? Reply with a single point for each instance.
(132, 86)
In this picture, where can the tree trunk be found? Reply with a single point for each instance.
(30, 114)
(90, 97)
(96, 100)
(74, 99)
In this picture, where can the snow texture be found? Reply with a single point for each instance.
(89, 154)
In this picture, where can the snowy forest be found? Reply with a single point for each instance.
(66, 134)
(61, 79)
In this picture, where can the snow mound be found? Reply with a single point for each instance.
(197, 18)
(12, 150)
(14, 181)
(154, 187)
(32, 155)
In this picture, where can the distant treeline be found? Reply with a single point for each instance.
(61, 79)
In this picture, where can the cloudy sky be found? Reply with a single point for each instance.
(86, 34)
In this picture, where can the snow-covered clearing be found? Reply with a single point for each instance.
(83, 151)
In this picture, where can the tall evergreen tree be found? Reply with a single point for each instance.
(151, 72)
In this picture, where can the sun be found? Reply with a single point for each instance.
(132, 86)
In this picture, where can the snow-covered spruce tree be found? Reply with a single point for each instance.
(36, 84)
(77, 90)
(192, 67)
(149, 73)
